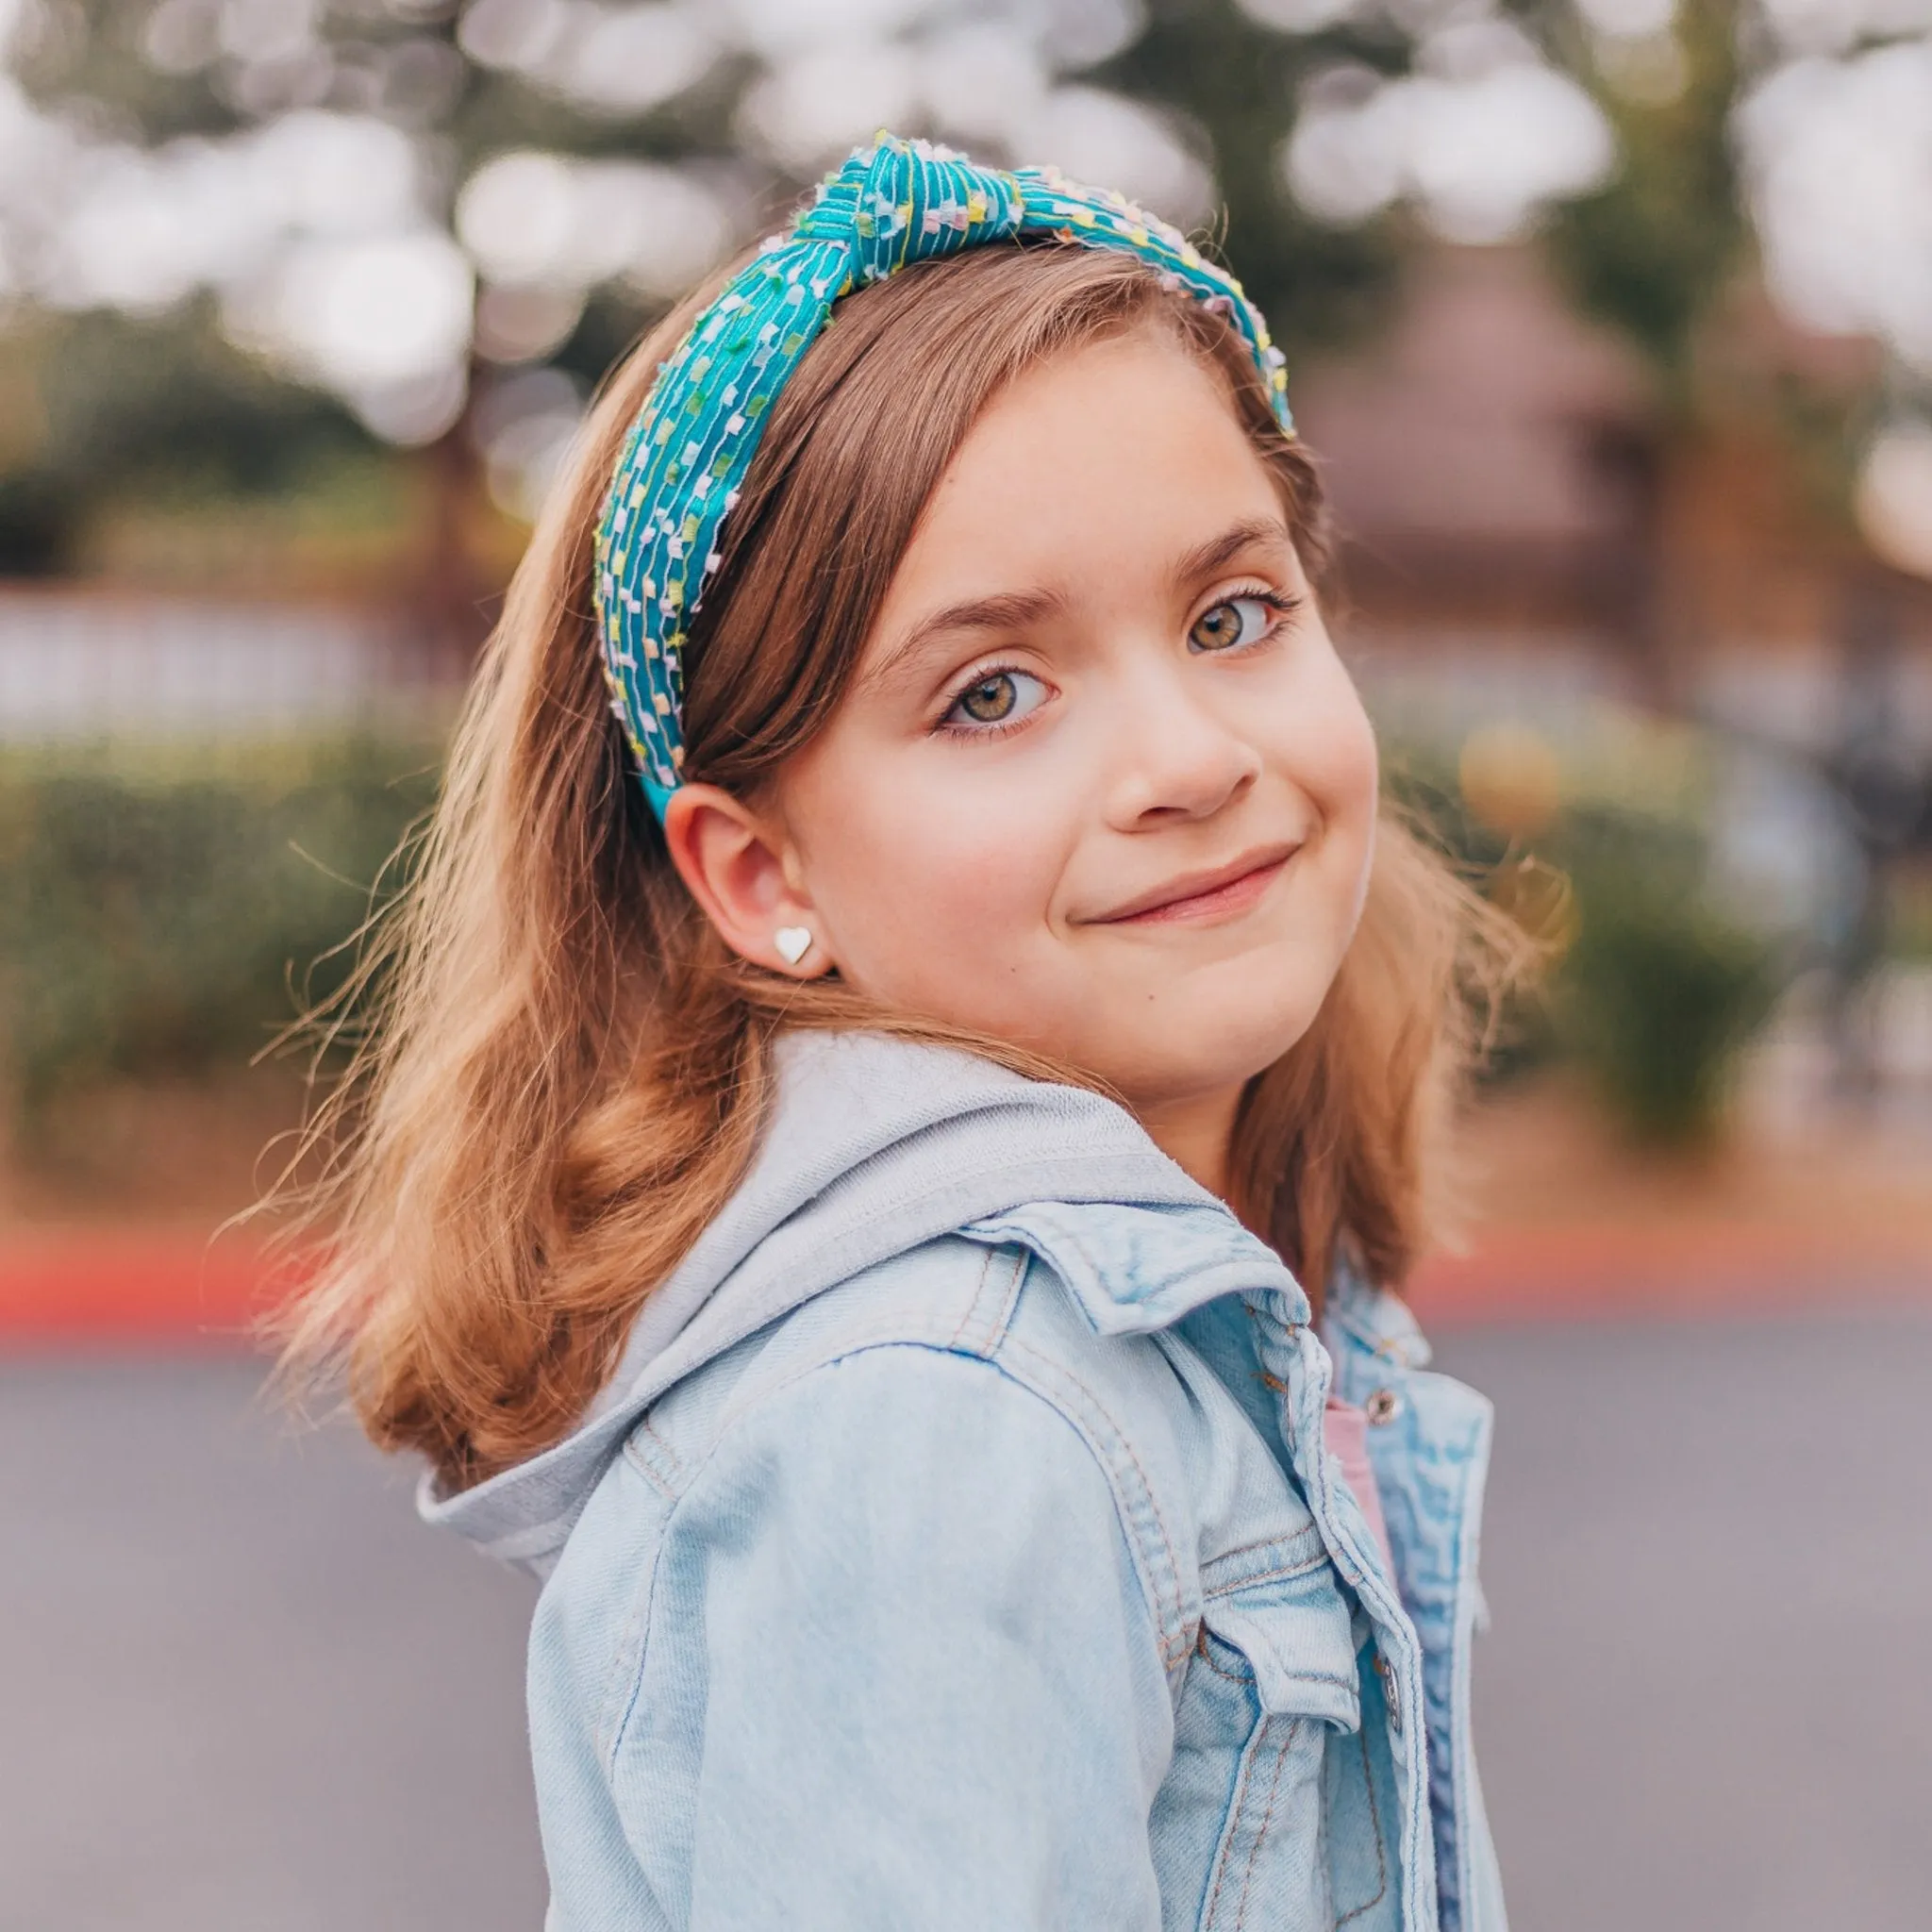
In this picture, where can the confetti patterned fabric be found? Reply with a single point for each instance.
(685, 460)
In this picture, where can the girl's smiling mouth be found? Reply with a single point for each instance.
(1204, 897)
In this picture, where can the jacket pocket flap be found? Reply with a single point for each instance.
(1299, 1641)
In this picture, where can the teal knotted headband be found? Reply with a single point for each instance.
(686, 457)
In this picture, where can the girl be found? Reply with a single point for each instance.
(905, 967)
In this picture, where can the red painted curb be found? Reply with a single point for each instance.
(1581, 1271)
(174, 1288)
(155, 1287)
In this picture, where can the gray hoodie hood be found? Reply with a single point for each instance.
(874, 1147)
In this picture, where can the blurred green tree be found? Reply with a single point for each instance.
(167, 922)
(1653, 248)
(1652, 242)
(152, 393)
(1237, 83)
(131, 396)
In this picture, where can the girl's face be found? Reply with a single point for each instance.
(1101, 787)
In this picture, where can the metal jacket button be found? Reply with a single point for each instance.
(1383, 1406)
(1391, 1692)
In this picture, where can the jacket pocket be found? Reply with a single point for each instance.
(1358, 1804)
(1274, 1685)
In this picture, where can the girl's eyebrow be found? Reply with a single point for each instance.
(1003, 610)
(1011, 609)
(1204, 560)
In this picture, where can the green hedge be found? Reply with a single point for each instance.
(165, 915)
(1655, 993)
(1658, 994)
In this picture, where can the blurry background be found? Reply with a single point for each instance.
(1612, 321)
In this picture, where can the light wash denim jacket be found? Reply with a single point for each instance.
(956, 1547)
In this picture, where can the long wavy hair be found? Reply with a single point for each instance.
(568, 1070)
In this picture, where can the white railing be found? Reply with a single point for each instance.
(81, 664)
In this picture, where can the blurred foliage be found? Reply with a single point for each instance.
(1910, 935)
(1658, 994)
(349, 521)
(1652, 249)
(1655, 251)
(126, 403)
(396, 58)
(102, 409)
(1235, 86)
(1425, 792)
(1653, 993)
(126, 407)
(169, 399)
(168, 917)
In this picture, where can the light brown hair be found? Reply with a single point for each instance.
(570, 1069)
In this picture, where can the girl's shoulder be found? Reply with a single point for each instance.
(960, 1299)
(976, 1343)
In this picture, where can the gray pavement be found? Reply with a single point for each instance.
(239, 1686)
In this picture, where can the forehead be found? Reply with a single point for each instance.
(1128, 445)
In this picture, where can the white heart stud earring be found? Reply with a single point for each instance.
(793, 941)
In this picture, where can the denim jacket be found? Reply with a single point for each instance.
(956, 1547)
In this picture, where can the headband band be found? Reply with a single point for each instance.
(685, 459)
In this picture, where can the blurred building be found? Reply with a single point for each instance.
(1477, 454)
(1523, 530)
(80, 663)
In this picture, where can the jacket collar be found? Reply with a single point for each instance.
(876, 1146)
(1370, 1317)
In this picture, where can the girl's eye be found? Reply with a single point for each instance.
(1232, 622)
(1002, 697)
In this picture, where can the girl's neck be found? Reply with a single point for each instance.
(1195, 1133)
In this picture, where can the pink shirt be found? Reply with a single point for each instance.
(1345, 1430)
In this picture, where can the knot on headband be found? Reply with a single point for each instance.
(685, 459)
(899, 203)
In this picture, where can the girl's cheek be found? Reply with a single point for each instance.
(1362, 776)
(1341, 759)
(937, 874)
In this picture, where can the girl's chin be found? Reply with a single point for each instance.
(1182, 1028)
(1155, 1073)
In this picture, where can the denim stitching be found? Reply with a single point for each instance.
(1375, 1825)
(650, 1429)
(1242, 1779)
(1298, 1676)
(1167, 1644)
(997, 1328)
(670, 1455)
(1241, 1917)
(635, 1457)
(895, 1336)
(632, 1684)
(898, 1333)
(1023, 1262)
(1206, 1657)
(1223, 1590)
(1293, 1329)
(992, 1255)
(1302, 1568)
(1269, 1543)
(626, 1686)
(880, 1335)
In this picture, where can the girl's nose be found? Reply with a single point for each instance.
(1177, 761)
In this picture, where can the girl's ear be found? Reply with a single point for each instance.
(734, 861)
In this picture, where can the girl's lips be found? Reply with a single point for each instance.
(1225, 892)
